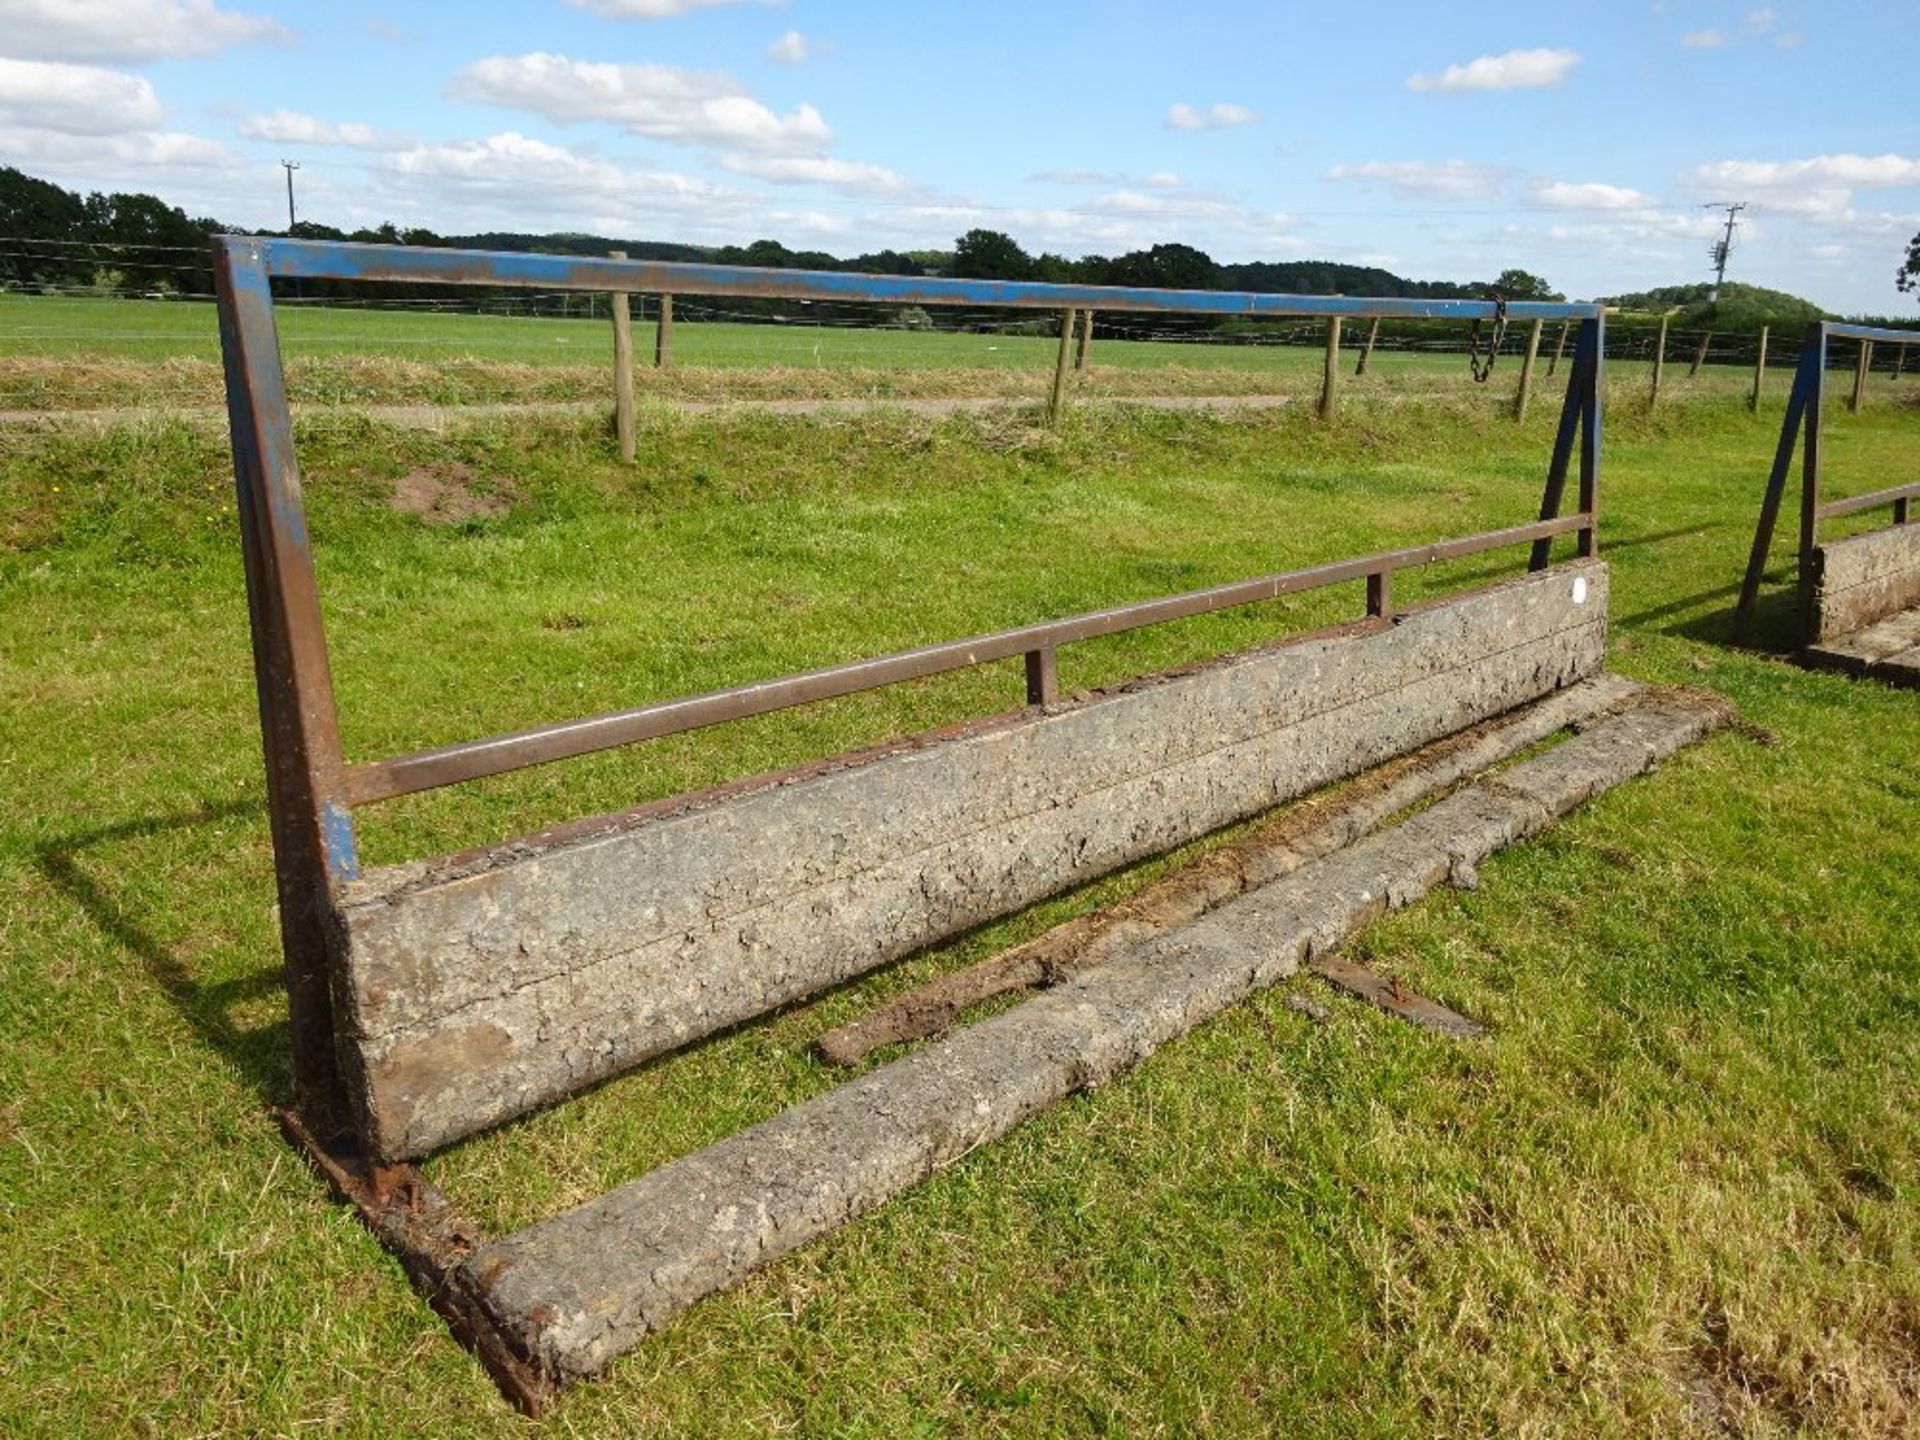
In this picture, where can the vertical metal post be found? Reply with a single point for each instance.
(1659, 364)
(1380, 595)
(1860, 368)
(1759, 372)
(1804, 380)
(313, 837)
(1573, 410)
(1524, 394)
(1559, 346)
(1594, 333)
(663, 335)
(1366, 351)
(1810, 479)
(1086, 340)
(1058, 398)
(1043, 676)
(622, 369)
(1330, 380)
(1700, 355)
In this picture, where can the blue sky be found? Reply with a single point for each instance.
(1439, 140)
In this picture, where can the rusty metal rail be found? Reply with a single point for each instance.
(429, 769)
(1894, 495)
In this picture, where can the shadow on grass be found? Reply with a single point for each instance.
(260, 1053)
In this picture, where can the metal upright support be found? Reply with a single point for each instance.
(1759, 372)
(1807, 379)
(1810, 481)
(307, 805)
(1579, 420)
(1594, 332)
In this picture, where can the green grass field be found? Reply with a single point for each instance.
(1675, 1192)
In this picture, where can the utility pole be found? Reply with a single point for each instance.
(290, 166)
(1723, 247)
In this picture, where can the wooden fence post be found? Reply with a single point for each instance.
(1058, 397)
(1759, 372)
(663, 335)
(1366, 352)
(1659, 364)
(1860, 368)
(1899, 359)
(1700, 355)
(1330, 381)
(1524, 394)
(1086, 340)
(1559, 345)
(622, 369)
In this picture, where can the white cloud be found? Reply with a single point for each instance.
(1420, 180)
(1562, 195)
(127, 29)
(1789, 40)
(75, 99)
(112, 157)
(1761, 20)
(1162, 180)
(657, 9)
(1214, 117)
(292, 128)
(663, 102)
(1515, 70)
(1819, 188)
(1705, 40)
(793, 48)
(846, 176)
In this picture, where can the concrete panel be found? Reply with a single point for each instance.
(481, 989)
(1863, 579)
(572, 1292)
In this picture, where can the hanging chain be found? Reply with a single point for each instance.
(1482, 365)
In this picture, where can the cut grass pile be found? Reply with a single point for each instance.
(1675, 1192)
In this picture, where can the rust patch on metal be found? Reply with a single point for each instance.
(432, 1241)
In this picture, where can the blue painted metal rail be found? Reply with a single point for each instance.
(333, 260)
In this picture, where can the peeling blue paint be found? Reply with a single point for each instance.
(343, 858)
(334, 260)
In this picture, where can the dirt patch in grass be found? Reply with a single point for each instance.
(449, 494)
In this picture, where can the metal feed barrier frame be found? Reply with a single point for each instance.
(1800, 429)
(313, 790)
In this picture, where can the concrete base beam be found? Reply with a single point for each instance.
(1888, 651)
(1864, 579)
(480, 988)
(571, 1293)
